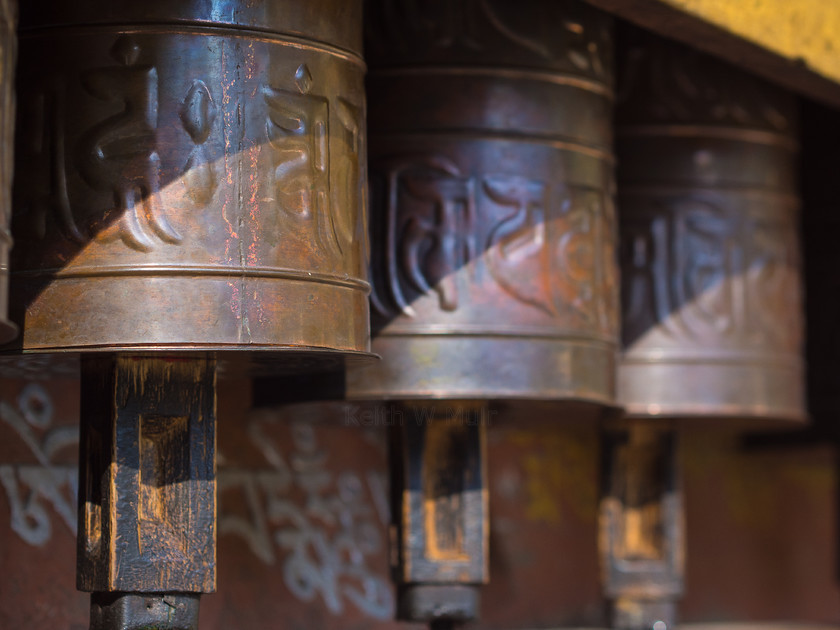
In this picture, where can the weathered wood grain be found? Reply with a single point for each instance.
(444, 512)
(147, 509)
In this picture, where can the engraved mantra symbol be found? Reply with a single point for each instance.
(119, 154)
(198, 113)
(430, 218)
(477, 24)
(693, 269)
(460, 23)
(297, 125)
(439, 221)
(44, 192)
(352, 172)
(676, 85)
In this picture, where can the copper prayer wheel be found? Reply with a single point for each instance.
(8, 57)
(708, 206)
(192, 177)
(492, 222)
(191, 185)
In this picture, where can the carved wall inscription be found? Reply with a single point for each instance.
(31, 488)
(321, 541)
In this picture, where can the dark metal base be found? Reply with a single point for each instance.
(144, 611)
(439, 602)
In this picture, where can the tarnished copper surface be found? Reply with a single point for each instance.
(8, 56)
(711, 287)
(191, 175)
(492, 227)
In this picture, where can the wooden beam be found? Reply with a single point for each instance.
(147, 515)
(790, 43)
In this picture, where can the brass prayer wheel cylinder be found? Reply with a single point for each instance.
(492, 229)
(8, 57)
(192, 177)
(708, 207)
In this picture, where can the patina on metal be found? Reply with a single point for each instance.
(641, 523)
(710, 263)
(492, 224)
(8, 57)
(192, 177)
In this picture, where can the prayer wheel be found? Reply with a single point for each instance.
(711, 296)
(492, 220)
(191, 190)
(8, 57)
(191, 176)
(711, 279)
(492, 255)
